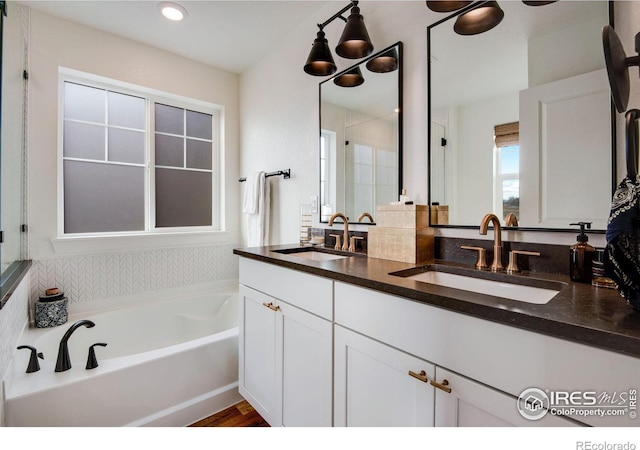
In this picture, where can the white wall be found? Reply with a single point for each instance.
(279, 108)
(101, 264)
(545, 51)
(56, 42)
(474, 174)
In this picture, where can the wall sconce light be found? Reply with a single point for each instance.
(477, 19)
(351, 78)
(386, 62)
(617, 64)
(353, 44)
(320, 61)
(480, 19)
(446, 6)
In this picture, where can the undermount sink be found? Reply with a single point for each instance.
(312, 253)
(495, 284)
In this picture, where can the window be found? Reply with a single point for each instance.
(328, 173)
(507, 170)
(136, 160)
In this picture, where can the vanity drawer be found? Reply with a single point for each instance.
(504, 357)
(308, 292)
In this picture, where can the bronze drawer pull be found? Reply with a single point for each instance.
(271, 306)
(444, 385)
(422, 376)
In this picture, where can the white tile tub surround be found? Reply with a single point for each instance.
(13, 318)
(86, 279)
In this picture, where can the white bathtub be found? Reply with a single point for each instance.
(168, 363)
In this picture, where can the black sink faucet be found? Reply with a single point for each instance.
(64, 362)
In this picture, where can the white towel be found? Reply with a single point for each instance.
(257, 204)
(251, 197)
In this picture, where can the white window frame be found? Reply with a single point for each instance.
(196, 234)
(328, 197)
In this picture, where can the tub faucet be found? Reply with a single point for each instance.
(496, 265)
(64, 362)
(345, 240)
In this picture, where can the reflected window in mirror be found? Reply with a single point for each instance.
(327, 173)
(506, 188)
(361, 139)
(544, 69)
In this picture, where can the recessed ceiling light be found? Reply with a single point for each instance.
(172, 11)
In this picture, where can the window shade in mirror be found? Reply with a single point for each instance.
(507, 134)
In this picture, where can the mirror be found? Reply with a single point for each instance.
(12, 189)
(521, 119)
(361, 140)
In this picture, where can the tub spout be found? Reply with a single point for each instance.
(64, 362)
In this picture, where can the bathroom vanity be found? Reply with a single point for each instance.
(337, 339)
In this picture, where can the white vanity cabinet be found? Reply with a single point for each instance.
(381, 386)
(286, 344)
(257, 368)
(487, 365)
(319, 352)
(467, 403)
(377, 385)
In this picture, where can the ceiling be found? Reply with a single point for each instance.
(230, 35)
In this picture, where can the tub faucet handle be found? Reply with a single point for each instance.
(34, 365)
(92, 361)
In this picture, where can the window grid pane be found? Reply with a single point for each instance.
(105, 152)
(183, 168)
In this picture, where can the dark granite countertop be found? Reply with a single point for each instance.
(581, 313)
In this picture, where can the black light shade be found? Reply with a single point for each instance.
(446, 6)
(617, 67)
(386, 62)
(541, 3)
(354, 42)
(320, 61)
(352, 78)
(479, 20)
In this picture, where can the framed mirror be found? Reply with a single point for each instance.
(361, 136)
(521, 121)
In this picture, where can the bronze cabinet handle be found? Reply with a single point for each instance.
(443, 386)
(422, 376)
(271, 306)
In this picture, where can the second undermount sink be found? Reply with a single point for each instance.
(311, 253)
(495, 284)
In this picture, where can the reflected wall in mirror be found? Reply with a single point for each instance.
(361, 139)
(12, 176)
(521, 119)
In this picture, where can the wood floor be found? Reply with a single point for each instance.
(239, 415)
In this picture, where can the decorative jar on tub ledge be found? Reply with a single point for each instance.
(51, 309)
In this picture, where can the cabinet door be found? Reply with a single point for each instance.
(305, 365)
(471, 404)
(258, 382)
(373, 387)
